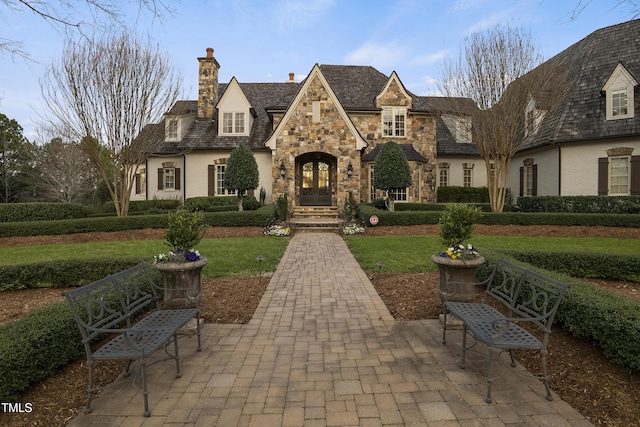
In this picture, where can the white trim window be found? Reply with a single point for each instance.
(393, 121)
(169, 178)
(444, 176)
(619, 104)
(171, 129)
(398, 194)
(619, 90)
(233, 123)
(220, 190)
(619, 175)
(467, 177)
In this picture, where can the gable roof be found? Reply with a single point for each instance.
(589, 63)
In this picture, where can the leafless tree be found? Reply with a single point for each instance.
(63, 172)
(75, 15)
(494, 71)
(103, 92)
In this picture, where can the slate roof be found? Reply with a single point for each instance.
(356, 87)
(589, 64)
(410, 153)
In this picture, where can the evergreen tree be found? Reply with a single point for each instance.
(241, 173)
(391, 170)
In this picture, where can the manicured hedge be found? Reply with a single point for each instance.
(502, 218)
(206, 204)
(258, 218)
(35, 347)
(10, 212)
(62, 274)
(611, 266)
(581, 204)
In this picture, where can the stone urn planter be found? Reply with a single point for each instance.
(458, 270)
(181, 282)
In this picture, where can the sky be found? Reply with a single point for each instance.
(265, 40)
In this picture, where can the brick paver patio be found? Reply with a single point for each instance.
(323, 350)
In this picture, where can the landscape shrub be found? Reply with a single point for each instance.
(35, 347)
(581, 204)
(257, 218)
(210, 204)
(576, 264)
(14, 212)
(455, 194)
(250, 203)
(63, 273)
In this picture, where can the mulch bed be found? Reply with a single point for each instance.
(579, 373)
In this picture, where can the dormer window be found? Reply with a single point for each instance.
(533, 118)
(619, 93)
(233, 123)
(171, 129)
(393, 121)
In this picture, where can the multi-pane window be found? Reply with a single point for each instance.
(172, 129)
(398, 194)
(467, 177)
(393, 121)
(619, 175)
(233, 122)
(444, 177)
(169, 178)
(619, 102)
(528, 180)
(220, 190)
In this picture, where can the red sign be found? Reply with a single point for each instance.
(373, 220)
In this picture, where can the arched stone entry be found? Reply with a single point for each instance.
(315, 179)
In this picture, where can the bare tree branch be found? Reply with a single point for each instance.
(104, 92)
(493, 71)
(67, 15)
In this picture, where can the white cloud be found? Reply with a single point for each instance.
(466, 5)
(429, 59)
(384, 55)
(290, 14)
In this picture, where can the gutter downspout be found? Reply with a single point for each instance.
(184, 177)
(559, 170)
(146, 180)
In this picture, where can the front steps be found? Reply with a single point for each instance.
(316, 219)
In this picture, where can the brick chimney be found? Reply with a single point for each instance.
(207, 85)
(291, 78)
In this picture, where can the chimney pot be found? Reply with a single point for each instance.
(291, 77)
(209, 52)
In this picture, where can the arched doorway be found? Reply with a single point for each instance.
(316, 179)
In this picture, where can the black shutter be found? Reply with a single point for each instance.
(177, 178)
(603, 176)
(534, 186)
(160, 179)
(521, 181)
(211, 180)
(635, 175)
(138, 187)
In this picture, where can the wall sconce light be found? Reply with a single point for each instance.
(350, 169)
(283, 170)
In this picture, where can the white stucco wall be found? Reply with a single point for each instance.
(456, 171)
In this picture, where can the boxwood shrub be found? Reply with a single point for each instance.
(35, 347)
(581, 204)
(13, 212)
(62, 274)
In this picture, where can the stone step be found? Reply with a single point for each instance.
(302, 225)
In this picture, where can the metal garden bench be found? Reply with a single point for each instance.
(111, 306)
(527, 298)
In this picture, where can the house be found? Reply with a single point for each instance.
(315, 141)
(590, 145)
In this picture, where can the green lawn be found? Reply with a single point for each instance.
(227, 257)
(413, 253)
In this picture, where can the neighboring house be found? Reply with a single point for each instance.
(591, 144)
(315, 141)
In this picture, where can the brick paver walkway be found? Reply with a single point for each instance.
(323, 350)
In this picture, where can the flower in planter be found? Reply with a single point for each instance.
(461, 252)
(185, 229)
